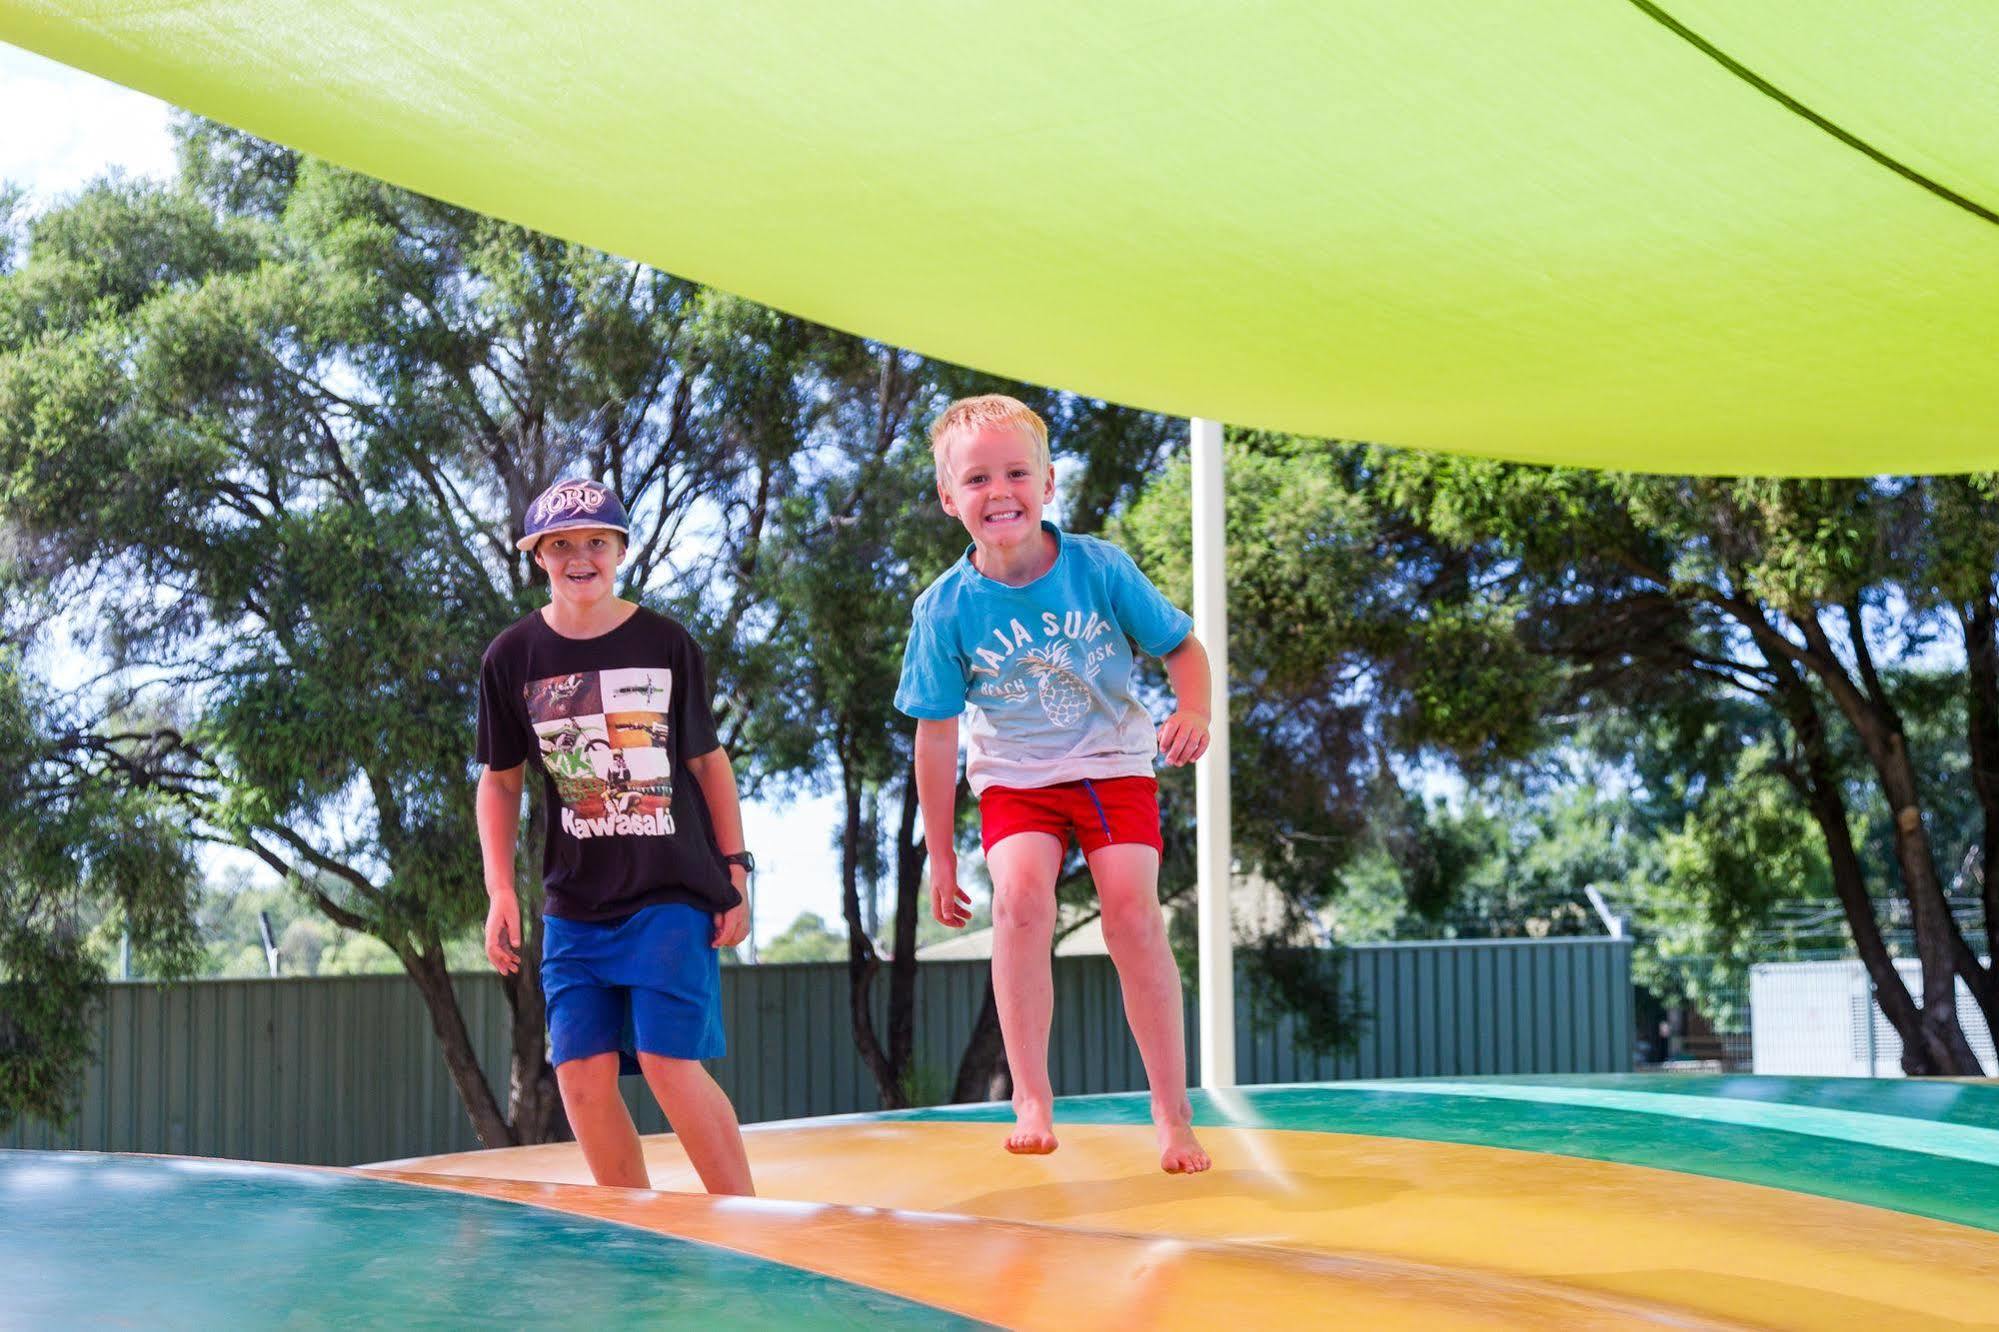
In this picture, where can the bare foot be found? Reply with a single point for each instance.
(1180, 1153)
(1034, 1134)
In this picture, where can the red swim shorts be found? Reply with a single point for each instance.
(1100, 811)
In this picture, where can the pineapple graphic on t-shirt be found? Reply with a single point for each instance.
(1064, 695)
(1056, 667)
(604, 740)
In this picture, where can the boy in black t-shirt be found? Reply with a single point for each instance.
(610, 702)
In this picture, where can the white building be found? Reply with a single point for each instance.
(1820, 1019)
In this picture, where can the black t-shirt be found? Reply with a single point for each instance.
(611, 722)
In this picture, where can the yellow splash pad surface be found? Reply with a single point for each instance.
(1289, 1225)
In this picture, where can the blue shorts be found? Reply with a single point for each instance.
(651, 981)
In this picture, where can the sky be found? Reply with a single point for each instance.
(64, 128)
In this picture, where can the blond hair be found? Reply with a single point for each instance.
(971, 415)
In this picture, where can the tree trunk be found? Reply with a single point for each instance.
(1819, 784)
(862, 960)
(1936, 934)
(1874, 719)
(869, 878)
(982, 1072)
(1981, 651)
(909, 857)
(447, 1021)
(534, 1101)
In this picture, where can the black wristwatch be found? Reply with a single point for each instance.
(743, 858)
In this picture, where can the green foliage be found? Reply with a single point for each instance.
(1791, 653)
(806, 939)
(1357, 645)
(265, 435)
(82, 861)
(1514, 861)
(49, 986)
(925, 1083)
(13, 201)
(1310, 985)
(263, 438)
(308, 943)
(1629, 681)
(1744, 850)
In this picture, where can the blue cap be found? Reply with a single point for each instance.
(572, 504)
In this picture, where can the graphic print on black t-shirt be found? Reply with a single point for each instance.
(611, 723)
(605, 742)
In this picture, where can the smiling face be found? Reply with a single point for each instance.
(996, 483)
(580, 564)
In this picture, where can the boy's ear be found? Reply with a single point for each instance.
(1048, 491)
(944, 498)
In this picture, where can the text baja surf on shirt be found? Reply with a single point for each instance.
(1046, 667)
(1055, 673)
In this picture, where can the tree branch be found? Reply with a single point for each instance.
(338, 914)
(1857, 635)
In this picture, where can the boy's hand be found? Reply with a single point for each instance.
(503, 932)
(1184, 737)
(948, 902)
(733, 926)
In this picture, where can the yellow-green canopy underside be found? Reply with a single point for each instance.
(1694, 235)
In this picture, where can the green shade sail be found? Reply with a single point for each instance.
(1678, 236)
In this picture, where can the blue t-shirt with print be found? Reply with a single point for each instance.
(1045, 669)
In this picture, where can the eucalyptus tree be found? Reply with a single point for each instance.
(1834, 606)
(268, 432)
(82, 862)
(1799, 647)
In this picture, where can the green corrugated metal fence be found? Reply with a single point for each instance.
(340, 1070)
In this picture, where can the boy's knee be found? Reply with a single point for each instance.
(588, 1080)
(671, 1069)
(1023, 910)
(1132, 922)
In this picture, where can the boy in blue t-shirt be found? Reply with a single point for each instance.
(1032, 632)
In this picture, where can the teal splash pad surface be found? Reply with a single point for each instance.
(154, 1242)
(1924, 1148)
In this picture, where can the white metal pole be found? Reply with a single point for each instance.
(1211, 774)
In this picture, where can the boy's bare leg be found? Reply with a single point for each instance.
(1127, 876)
(703, 1120)
(602, 1124)
(1023, 869)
